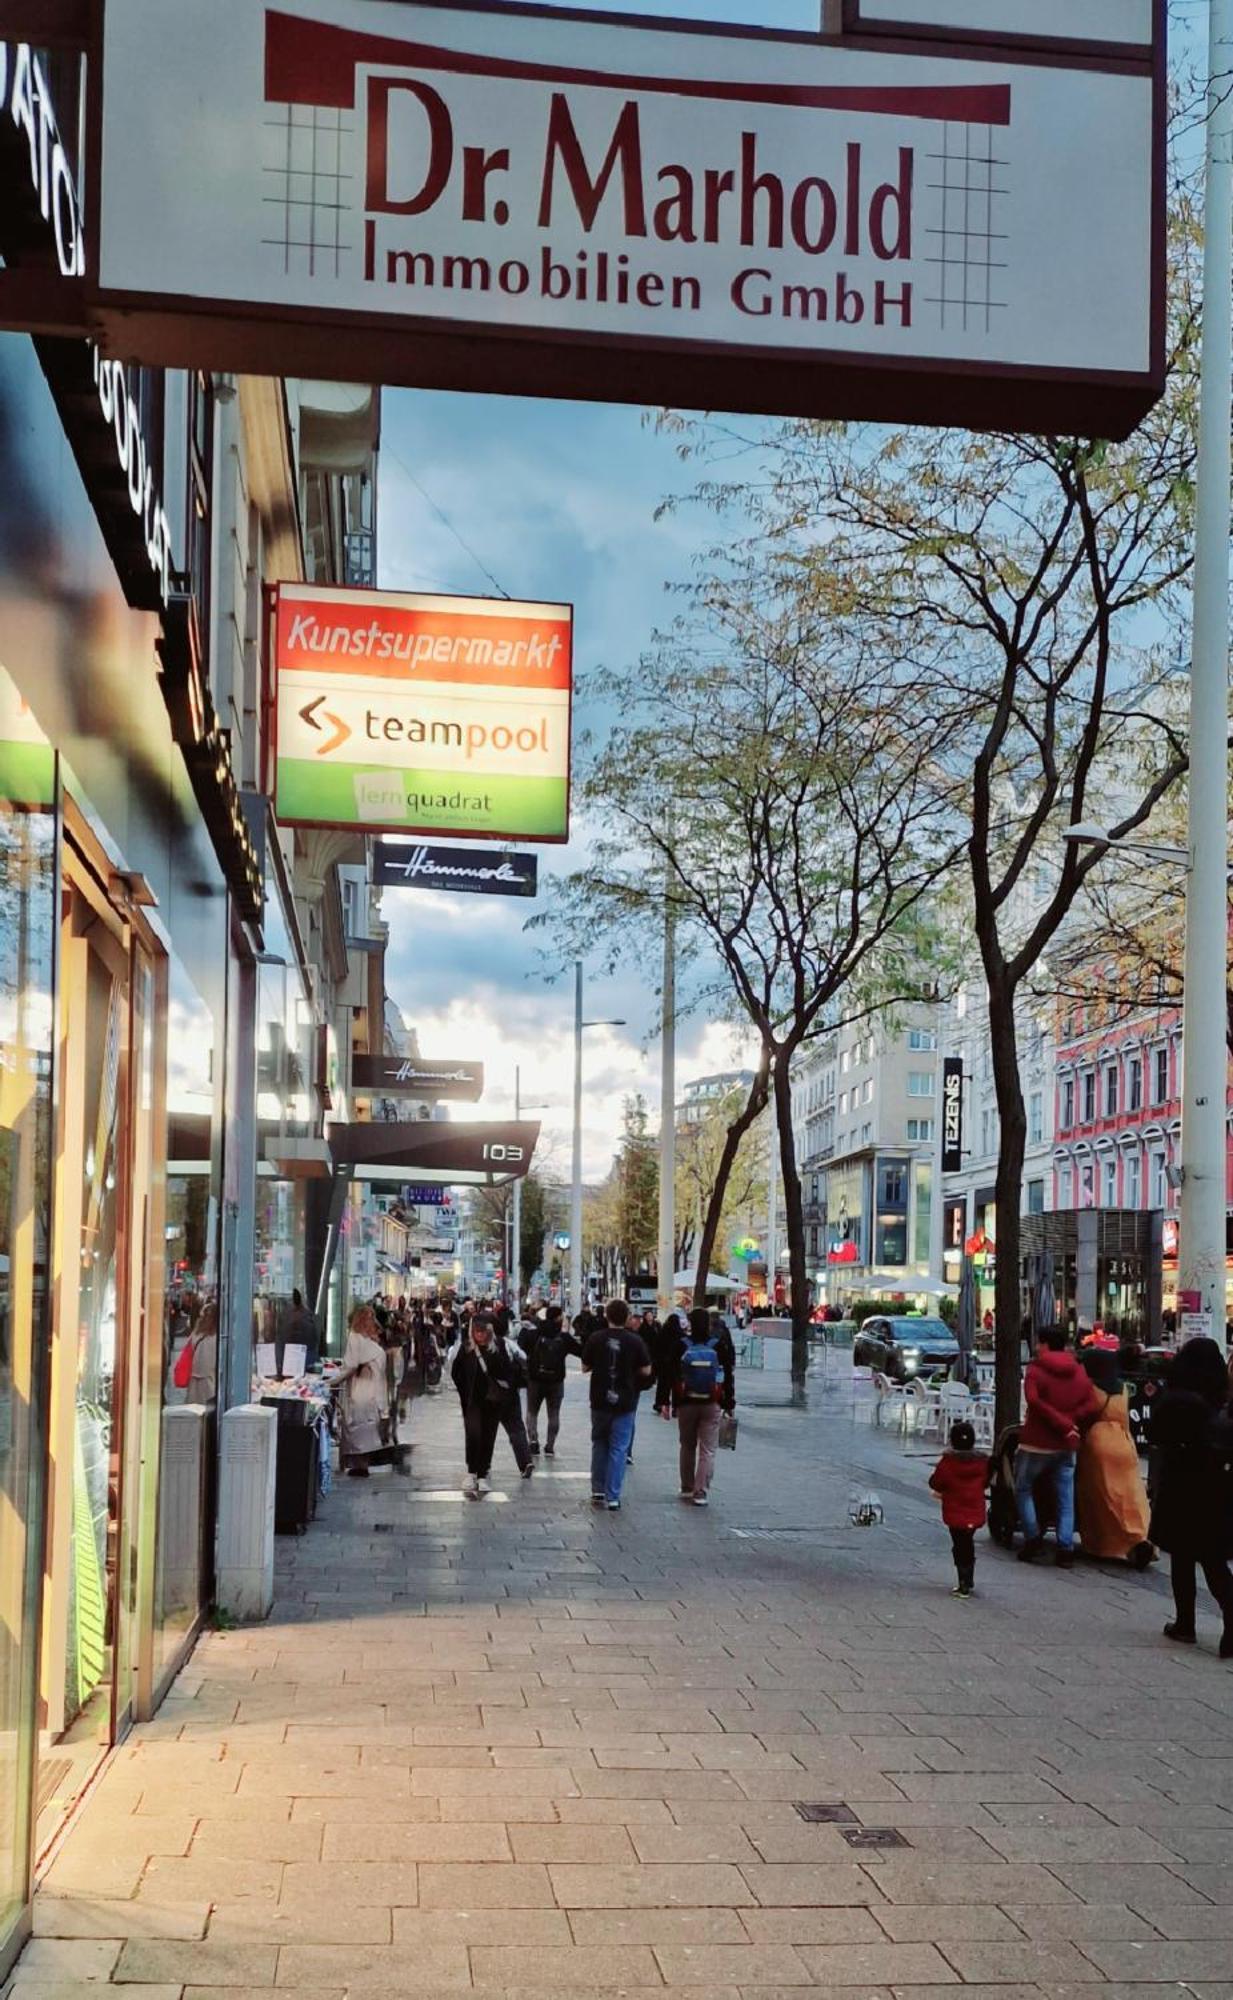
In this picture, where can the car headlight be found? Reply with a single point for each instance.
(911, 1358)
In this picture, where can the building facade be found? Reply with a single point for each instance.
(168, 1050)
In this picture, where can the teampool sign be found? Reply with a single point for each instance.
(403, 713)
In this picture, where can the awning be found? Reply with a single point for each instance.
(464, 1154)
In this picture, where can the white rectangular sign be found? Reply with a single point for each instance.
(1127, 23)
(683, 191)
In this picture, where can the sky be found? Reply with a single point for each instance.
(551, 501)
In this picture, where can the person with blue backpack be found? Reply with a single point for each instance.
(697, 1383)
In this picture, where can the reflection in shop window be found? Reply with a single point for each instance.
(27, 923)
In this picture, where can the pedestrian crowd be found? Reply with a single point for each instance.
(1072, 1465)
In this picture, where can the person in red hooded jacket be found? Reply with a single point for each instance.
(1060, 1400)
(960, 1479)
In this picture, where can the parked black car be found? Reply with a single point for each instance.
(902, 1348)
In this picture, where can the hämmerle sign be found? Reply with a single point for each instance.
(942, 230)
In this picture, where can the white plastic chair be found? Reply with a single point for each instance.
(887, 1394)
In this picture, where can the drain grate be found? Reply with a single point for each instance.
(819, 1813)
(874, 1836)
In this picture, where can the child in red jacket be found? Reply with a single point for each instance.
(960, 1479)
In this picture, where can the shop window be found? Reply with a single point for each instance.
(922, 1175)
(27, 933)
(893, 1184)
(1111, 1091)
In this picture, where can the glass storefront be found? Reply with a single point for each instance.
(187, 1381)
(27, 934)
(284, 1095)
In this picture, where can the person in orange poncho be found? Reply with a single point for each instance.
(1110, 1496)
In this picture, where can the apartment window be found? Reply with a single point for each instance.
(1089, 1096)
(1134, 1078)
(1134, 1181)
(920, 1129)
(1158, 1180)
(843, 1062)
(867, 1091)
(920, 1083)
(869, 1049)
(1088, 1181)
(1035, 1197)
(922, 1039)
(1110, 1195)
(1111, 1091)
(893, 1184)
(1036, 1118)
(1068, 1103)
(1068, 1187)
(1160, 1074)
(986, 1127)
(843, 1104)
(866, 1134)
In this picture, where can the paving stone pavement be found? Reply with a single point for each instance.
(521, 1749)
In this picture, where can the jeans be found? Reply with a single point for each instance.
(1030, 1468)
(550, 1396)
(612, 1433)
(481, 1424)
(698, 1424)
(963, 1548)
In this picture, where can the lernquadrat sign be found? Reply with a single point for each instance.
(549, 202)
(415, 714)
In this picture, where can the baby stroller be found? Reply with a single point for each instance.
(1003, 1510)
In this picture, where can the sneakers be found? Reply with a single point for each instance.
(534, 1448)
(614, 1506)
(700, 1500)
(961, 1590)
(1179, 1634)
(687, 1492)
(1031, 1551)
(482, 1487)
(470, 1486)
(527, 1470)
(599, 1500)
(549, 1451)
(1065, 1558)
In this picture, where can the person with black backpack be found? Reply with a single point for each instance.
(617, 1361)
(697, 1383)
(547, 1346)
(488, 1377)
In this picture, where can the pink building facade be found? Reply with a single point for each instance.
(1118, 1118)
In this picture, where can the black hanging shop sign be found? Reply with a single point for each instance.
(465, 871)
(952, 1114)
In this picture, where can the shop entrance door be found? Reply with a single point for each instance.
(104, 1181)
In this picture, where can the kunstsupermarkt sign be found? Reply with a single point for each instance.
(406, 713)
(948, 213)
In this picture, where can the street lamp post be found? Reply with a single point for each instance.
(1201, 1220)
(513, 1262)
(575, 1201)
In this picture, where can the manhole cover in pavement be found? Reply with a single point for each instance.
(874, 1836)
(819, 1813)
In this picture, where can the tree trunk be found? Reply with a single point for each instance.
(794, 1218)
(754, 1105)
(1008, 1197)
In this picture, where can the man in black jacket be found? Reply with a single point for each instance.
(697, 1395)
(547, 1345)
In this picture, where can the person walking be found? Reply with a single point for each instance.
(960, 1479)
(547, 1346)
(488, 1380)
(1110, 1497)
(619, 1366)
(1060, 1399)
(1192, 1502)
(697, 1384)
